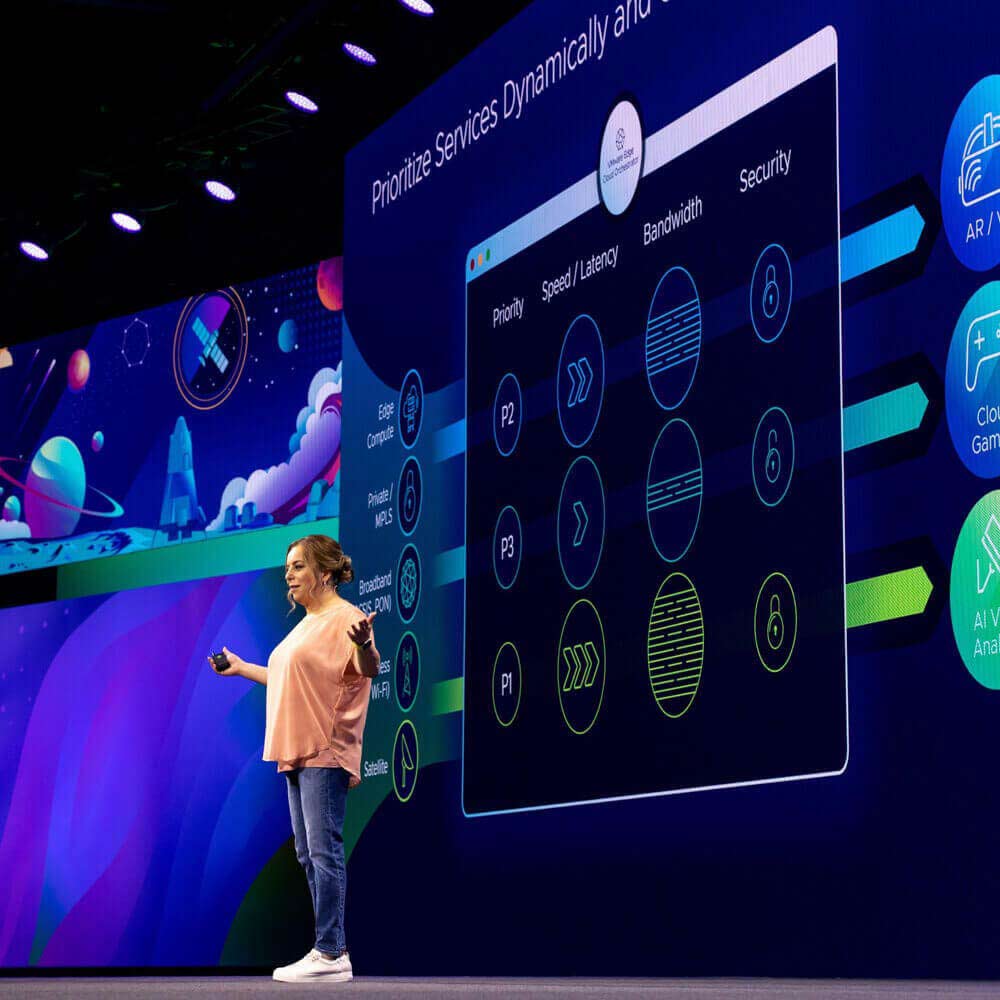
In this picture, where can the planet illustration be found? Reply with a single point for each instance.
(330, 283)
(97, 441)
(56, 474)
(78, 370)
(288, 336)
(12, 509)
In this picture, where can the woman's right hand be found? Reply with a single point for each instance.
(236, 664)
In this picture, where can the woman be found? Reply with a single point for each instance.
(318, 682)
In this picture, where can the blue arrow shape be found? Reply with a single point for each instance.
(581, 523)
(588, 378)
(575, 383)
(876, 245)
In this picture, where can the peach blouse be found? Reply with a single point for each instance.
(317, 700)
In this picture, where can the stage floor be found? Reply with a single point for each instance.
(498, 989)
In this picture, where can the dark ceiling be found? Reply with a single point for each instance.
(132, 105)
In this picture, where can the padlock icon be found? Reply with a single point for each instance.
(775, 625)
(772, 294)
(772, 461)
(409, 498)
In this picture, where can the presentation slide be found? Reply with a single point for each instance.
(677, 451)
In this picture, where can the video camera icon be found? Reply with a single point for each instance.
(980, 176)
(982, 345)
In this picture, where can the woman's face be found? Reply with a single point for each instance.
(303, 583)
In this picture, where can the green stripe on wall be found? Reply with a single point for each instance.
(240, 552)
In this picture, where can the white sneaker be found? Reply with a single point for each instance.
(316, 968)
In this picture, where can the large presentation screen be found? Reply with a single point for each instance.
(670, 455)
(654, 396)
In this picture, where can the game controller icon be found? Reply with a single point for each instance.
(982, 345)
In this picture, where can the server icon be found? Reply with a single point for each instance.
(980, 176)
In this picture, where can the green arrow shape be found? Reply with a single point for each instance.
(901, 594)
(884, 416)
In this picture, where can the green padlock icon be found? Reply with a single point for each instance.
(772, 294)
(772, 461)
(775, 625)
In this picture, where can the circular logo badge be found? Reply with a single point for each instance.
(211, 342)
(622, 155)
(773, 456)
(507, 414)
(771, 293)
(674, 490)
(405, 760)
(580, 381)
(408, 583)
(507, 545)
(409, 495)
(580, 522)
(580, 667)
(675, 646)
(970, 177)
(972, 383)
(506, 684)
(975, 592)
(407, 671)
(673, 338)
(411, 408)
(775, 622)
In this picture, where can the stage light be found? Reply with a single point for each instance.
(125, 221)
(221, 191)
(301, 102)
(359, 54)
(421, 7)
(33, 250)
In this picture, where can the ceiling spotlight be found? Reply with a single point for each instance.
(359, 54)
(300, 101)
(125, 221)
(421, 7)
(33, 250)
(219, 190)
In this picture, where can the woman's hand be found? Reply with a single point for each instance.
(361, 631)
(236, 664)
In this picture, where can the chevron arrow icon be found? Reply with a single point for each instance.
(575, 382)
(588, 379)
(581, 523)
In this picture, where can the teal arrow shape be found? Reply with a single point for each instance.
(884, 416)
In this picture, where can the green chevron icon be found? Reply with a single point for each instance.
(675, 651)
(581, 667)
(582, 663)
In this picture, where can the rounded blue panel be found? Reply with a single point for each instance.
(408, 582)
(580, 381)
(674, 490)
(409, 495)
(411, 408)
(972, 383)
(771, 293)
(673, 338)
(970, 177)
(507, 414)
(580, 522)
(773, 456)
(507, 545)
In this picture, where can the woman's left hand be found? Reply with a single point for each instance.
(361, 631)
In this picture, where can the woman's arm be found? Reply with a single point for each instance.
(367, 659)
(238, 667)
(366, 656)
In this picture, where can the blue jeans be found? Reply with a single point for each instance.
(316, 799)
